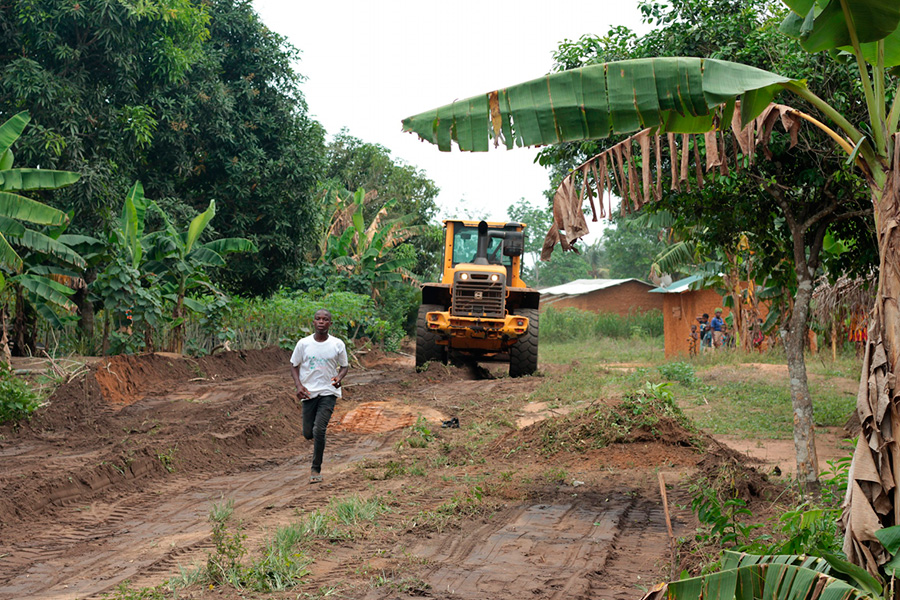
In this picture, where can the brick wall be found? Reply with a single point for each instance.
(627, 297)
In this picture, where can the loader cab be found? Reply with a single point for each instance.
(484, 244)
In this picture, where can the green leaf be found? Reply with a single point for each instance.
(26, 209)
(36, 179)
(206, 256)
(6, 160)
(673, 94)
(39, 242)
(47, 290)
(229, 245)
(889, 538)
(194, 305)
(8, 256)
(825, 26)
(862, 577)
(12, 129)
(198, 225)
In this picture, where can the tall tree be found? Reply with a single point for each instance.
(197, 99)
(789, 225)
(694, 94)
(236, 130)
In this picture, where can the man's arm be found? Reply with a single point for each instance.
(302, 392)
(336, 381)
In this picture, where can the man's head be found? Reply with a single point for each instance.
(706, 316)
(322, 321)
(718, 312)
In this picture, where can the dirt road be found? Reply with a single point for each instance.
(114, 481)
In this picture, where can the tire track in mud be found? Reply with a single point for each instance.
(554, 551)
(143, 536)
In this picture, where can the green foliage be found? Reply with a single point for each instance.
(223, 565)
(353, 164)
(679, 371)
(420, 435)
(17, 400)
(721, 518)
(639, 412)
(575, 324)
(287, 316)
(199, 100)
(279, 566)
(124, 591)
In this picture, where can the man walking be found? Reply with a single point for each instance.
(318, 365)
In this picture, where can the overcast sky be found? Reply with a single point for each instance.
(371, 64)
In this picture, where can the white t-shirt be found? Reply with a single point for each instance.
(319, 363)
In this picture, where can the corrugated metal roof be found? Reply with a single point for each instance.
(585, 286)
(677, 287)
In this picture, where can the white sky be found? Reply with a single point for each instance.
(371, 64)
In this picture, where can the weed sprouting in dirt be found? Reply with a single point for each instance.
(280, 565)
(420, 434)
(167, 458)
(725, 498)
(412, 586)
(124, 591)
(224, 564)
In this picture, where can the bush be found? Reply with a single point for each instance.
(574, 324)
(17, 400)
(287, 316)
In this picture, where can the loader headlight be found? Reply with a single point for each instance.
(463, 276)
(495, 277)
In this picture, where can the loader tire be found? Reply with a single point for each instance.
(427, 348)
(523, 355)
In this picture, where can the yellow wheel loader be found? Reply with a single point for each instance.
(481, 309)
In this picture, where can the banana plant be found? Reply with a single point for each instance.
(37, 280)
(179, 260)
(695, 95)
(375, 251)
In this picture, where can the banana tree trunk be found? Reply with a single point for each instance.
(872, 501)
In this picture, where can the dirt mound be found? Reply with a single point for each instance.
(119, 381)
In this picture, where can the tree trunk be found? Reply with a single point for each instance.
(872, 501)
(793, 335)
(86, 312)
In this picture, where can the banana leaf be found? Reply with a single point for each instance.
(206, 257)
(198, 224)
(26, 209)
(38, 242)
(194, 305)
(229, 245)
(824, 27)
(671, 94)
(47, 291)
(11, 228)
(132, 221)
(8, 256)
(12, 129)
(35, 179)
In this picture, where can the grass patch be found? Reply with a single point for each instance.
(639, 349)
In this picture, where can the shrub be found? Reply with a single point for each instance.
(17, 400)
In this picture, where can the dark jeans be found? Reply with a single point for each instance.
(316, 415)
